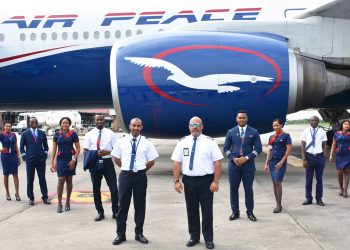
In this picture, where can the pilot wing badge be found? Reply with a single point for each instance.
(218, 82)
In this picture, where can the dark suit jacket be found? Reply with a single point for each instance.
(90, 158)
(34, 150)
(251, 145)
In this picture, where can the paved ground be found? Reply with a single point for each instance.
(297, 227)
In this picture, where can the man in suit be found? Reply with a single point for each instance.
(34, 150)
(242, 145)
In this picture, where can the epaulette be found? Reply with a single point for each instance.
(210, 138)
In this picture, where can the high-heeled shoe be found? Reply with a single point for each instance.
(8, 198)
(340, 193)
(67, 207)
(18, 198)
(345, 194)
(277, 210)
(59, 208)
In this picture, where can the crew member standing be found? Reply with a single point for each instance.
(242, 145)
(198, 157)
(135, 155)
(313, 152)
(34, 150)
(102, 139)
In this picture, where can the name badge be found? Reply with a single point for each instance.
(186, 152)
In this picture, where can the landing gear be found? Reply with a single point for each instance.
(334, 117)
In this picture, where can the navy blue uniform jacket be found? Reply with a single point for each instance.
(251, 145)
(31, 150)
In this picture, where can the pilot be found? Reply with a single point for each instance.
(34, 150)
(135, 155)
(313, 152)
(101, 140)
(279, 148)
(198, 158)
(242, 145)
(341, 145)
(65, 163)
(10, 158)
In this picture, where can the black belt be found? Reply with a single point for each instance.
(132, 172)
(314, 154)
(200, 176)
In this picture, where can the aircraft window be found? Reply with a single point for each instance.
(75, 35)
(107, 34)
(138, 32)
(96, 35)
(118, 34)
(22, 37)
(64, 35)
(2, 37)
(43, 36)
(33, 36)
(86, 35)
(128, 33)
(54, 36)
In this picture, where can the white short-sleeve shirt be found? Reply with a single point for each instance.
(108, 139)
(206, 152)
(321, 136)
(145, 152)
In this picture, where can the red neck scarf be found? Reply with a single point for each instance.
(273, 138)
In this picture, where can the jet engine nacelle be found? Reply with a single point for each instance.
(168, 78)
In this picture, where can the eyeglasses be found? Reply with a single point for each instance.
(195, 125)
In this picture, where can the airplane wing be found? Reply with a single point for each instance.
(336, 9)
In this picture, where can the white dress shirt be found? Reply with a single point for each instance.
(108, 139)
(321, 136)
(145, 152)
(206, 152)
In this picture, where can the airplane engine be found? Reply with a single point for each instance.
(168, 78)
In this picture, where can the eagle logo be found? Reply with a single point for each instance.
(218, 82)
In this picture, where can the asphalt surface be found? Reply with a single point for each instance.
(297, 227)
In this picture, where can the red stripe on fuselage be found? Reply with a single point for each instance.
(6, 59)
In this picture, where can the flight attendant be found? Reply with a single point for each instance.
(10, 159)
(341, 147)
(66, 149)
(280, 146)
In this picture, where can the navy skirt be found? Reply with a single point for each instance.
(277, 175)
(63, 168)
(9, 164)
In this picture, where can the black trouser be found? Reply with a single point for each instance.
(108, 172)
(135, 184)
(40, 166)
(197, 193)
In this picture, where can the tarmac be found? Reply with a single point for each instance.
(297, 227)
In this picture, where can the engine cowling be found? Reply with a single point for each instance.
(168, 78)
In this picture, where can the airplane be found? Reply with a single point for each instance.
(167, 61)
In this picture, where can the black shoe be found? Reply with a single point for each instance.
(277, 210)
(307, 202)
(46, 201)
(114, 216)
(119, 240)
(320, 203)
(31, 202)
(59, 208)
(141, 238)
(192, 242)
(99, 217)
(251, 217)
(209, 245)
(67, 207)
(234, 216)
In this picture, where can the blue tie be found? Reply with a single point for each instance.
(133, 154)
(313, 137)
(242, 133)
(192, 152)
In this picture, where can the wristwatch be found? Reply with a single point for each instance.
(176, 181)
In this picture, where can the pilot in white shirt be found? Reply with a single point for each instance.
(313, 152)
(134, 154)
(102, 139)
(198, 157)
